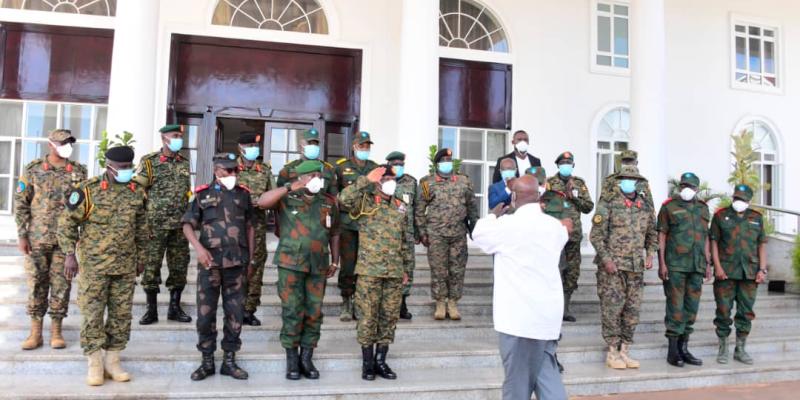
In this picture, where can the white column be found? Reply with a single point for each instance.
(133, 72)
(419, 83)
(648, 131)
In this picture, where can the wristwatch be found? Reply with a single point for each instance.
(288, 186)
(334, 265)
(763, 271)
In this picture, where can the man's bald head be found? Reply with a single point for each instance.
(507, 163)
(525, 190)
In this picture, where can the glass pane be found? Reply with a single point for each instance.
(293, 156)
(621, 62)
(755, 79)
(769, 57)
(33, 150)
(193, 161)
(621, 36)
(5, 200)
(767, 184)
(293, 139)
(41, 119)
(740, 28)
(473, 171)
(603, 33)
(5, 157)
(754, 30)
(755, 55)
(190, 136)
(624, 120)
(741, 50)
(603, 145)
(471, 144)
(606, 163)
(496, 145)
(603, 7)
(278, 160)
(769, 81)
(279, 140)
(78, 119)
(334, 146)
(10, 119)
(81, 153)
(620, 146)
(741, 77)
(447, 138)
(769, 33)
(767, 157)
(603, 60)
(620, 10)
(101, 122)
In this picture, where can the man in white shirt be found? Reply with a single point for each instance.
(527, 247)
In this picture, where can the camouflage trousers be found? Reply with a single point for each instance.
(743, 293)
(301, 296)
(411, 265)
(176, 246)
(348, 254)
(620, 296)
(211, 283)
(683, 290)
(378, 301)
(257, 279)
(572, 270)
(100, 294)
(447, 257)
(45, 269)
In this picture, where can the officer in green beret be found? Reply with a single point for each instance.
(407, 192)
(310, 150)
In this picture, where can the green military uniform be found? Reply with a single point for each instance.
(610, 182)
(407, 192)
(288, 173)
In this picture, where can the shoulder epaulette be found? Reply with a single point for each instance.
(201, 188)
(341, 161)
(247, 189)
(667, 201)
(327, 164)
(34, 163)
(756, 212)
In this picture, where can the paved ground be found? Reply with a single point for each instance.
(771, 391)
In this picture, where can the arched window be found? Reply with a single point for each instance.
(106, 8)
(306, 16)
(467, 24)
(767, 163)
(613, 135)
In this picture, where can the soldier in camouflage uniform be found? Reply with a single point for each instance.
(631, 158)
(257, 177)
(347, 171)
(684, 259)
(624, 236)
(223, 213)
(446, 211)
(383, 265)
(309, 220)
(106, 218)
(578, 201)
(165, 176)
(406, 191)
(310, 150)
(739, 249)
(40, 196)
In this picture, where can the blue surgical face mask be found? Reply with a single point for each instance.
(508, 174)
(627, 186)
(362, 155)
(311, 151)
(445, 167)
(399, 170)
(175, 144)
(123, 175)
(251, 153)
(565, 169)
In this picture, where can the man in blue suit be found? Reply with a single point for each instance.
(500, 192)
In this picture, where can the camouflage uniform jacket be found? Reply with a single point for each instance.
(581, 201)
(611, 183)
(307, 224)
(347, 171)
(168, 184)
(554, 204)
(40, 198)
(686, 225)
(108, 222)
(407, 192)
(622, 230)
(738, 238)
(222, 216)
(331, 185)
(446, 206)
(257, 178)
(383, 230)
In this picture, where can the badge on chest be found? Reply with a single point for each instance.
(208, 200)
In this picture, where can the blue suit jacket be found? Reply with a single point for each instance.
(498, 194)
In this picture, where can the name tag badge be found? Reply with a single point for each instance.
(406, 198)
(574, 192)
(327, 221)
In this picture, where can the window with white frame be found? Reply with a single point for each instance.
(106, 8)
(613, 135)
(305, 16)
(755, 56)
(611, 29)
(468, 24)
(24, 126)
(766, 164)
(478, 149)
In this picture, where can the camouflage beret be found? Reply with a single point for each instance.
(743, 192)
(308, 166)
(565, 156)
(396, 155)
(442, 153)
(689, 178)
(171, 128)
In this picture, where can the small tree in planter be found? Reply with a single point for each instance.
(125, 140)
(744, 155)
(432, 166)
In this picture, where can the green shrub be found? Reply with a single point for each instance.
(432, 166)
(125, 140)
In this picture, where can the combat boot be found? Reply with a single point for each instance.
(230, 368)
(206, 368)
(381, 368)
(347, 309)
(94, 376)
(292, 364)
(623, 355)
(307, 367)
(722, 354)
(56, 339)
(673, 353)
(404, 314)
(250, 319)
(175, 312)
(367, 363)
(112, 368)
(34, 340)
(739, 353)
(441, 311)
(151, 315)
(568, 317)
(683, 350)
(613, 360)
(452, 310)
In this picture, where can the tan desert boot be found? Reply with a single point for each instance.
(452, 310)
(113, 369)
(440, 312)
(623, 355)
(56, 340)
(34, 340)
(94, 377)
(613, 360)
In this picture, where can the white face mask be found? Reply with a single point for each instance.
(63, 151)
(687, 194)
(521, 146)
(315, 185)
(229, 182)
(389, 187)
(740, 206)
(542, 190)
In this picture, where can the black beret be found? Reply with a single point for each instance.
(249, 137)
(120, 154)
(442, 153)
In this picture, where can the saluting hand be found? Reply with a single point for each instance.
(375, 175)
(301, 182)
(500, 210)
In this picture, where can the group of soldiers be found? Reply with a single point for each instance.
(366, 216)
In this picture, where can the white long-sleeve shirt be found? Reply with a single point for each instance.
(528, 298)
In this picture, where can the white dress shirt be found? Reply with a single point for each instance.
(528, 297)
(523, 164)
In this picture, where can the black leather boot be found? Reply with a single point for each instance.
(568, 317)
(206, 368)
(367, 363)
(292, 364)
(404, 314)
(250, 319)
(683, 350)
(230, 368)
(151, 315)
(673, 355)
(381, 368)
(307, 367)
(175, 312)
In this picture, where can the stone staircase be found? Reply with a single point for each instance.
(434, 360)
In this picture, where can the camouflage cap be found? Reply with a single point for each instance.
(311, 134)
(743, 192)
(396, 155)
(565, 156)
(171, 128)
(225, 160)
(362, 137)
(539, 173)
(308, 166)
(61, 135)
(629, 155)
(689, 178)
(630, 172)
(445, 152)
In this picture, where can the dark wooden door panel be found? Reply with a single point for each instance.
(474, 94)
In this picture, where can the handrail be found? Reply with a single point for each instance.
(776, 210)
(780, 210)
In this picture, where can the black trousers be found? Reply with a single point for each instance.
(231, 284)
